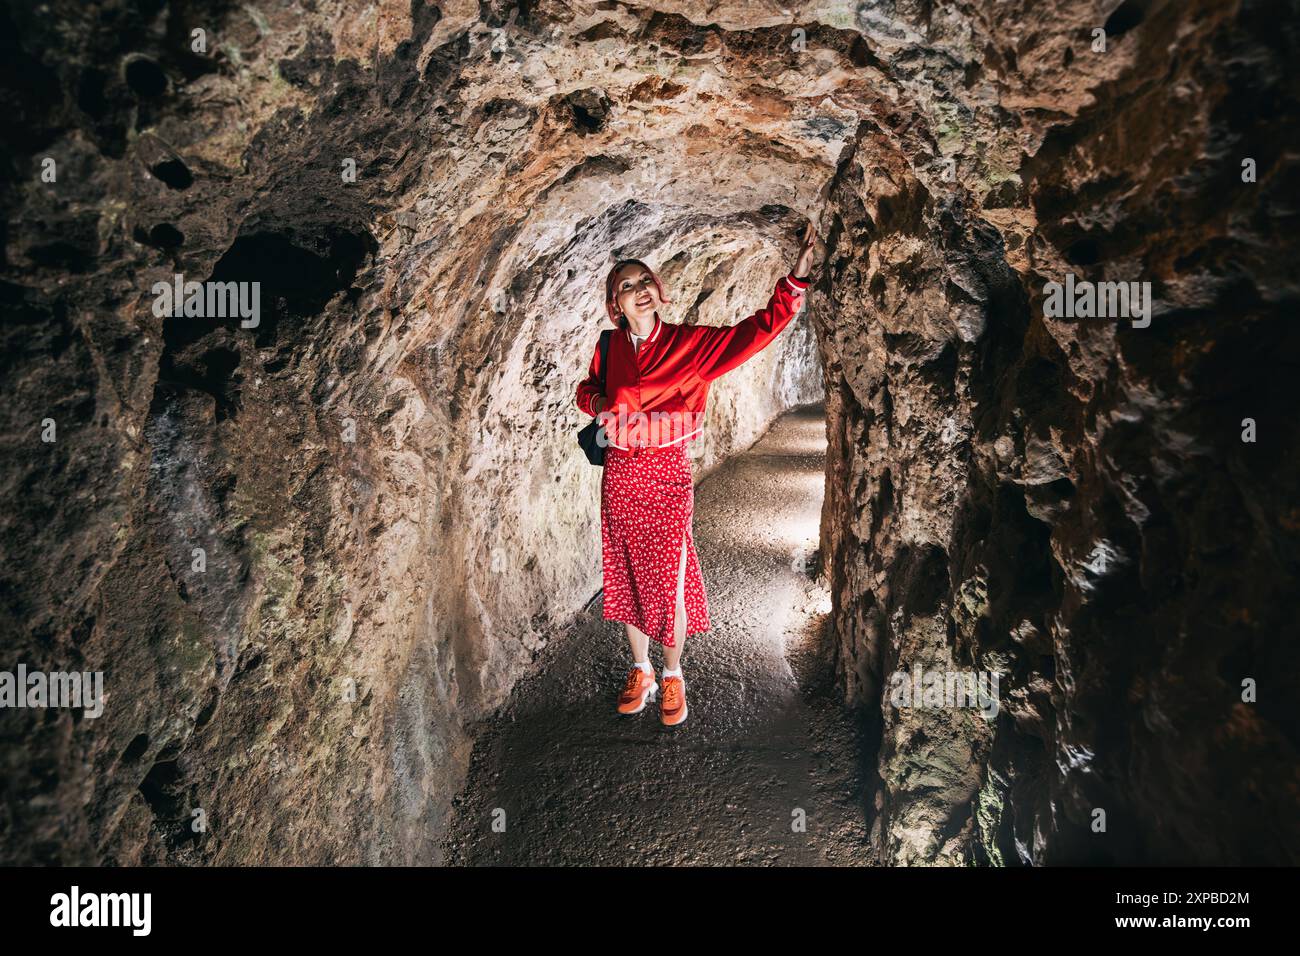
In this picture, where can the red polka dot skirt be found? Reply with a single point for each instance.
(647, 501)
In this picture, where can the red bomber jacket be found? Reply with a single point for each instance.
(656, 396)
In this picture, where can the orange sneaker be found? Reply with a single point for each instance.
(639, 689)
(672, 705)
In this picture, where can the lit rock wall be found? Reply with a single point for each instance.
(380, 480)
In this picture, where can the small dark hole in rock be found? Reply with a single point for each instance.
(585, 121)
(209, 708)
(173, 173)
(136, 748)
(82, 631)
(1062, 487)
(165, 236)
(1126, 16)
(1084, 252)
(161, 790)
(877, 288)
(145, 77)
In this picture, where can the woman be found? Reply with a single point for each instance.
(652, 403)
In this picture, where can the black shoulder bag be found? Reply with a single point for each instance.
(592, 435)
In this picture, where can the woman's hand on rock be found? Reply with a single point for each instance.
(803, 265)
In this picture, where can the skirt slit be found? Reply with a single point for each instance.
(679, 594)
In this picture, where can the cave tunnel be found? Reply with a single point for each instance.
(330, 539)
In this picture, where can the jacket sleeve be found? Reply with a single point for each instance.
(591, 386)
(719, 350)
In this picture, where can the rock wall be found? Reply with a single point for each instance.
(310, 554)
(1070, 503)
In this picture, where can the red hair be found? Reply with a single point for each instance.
(610, 307)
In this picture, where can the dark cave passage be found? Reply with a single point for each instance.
(333, 547)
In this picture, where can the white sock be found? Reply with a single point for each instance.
(677, 673)
(645, 666)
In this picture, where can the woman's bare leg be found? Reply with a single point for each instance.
(673, 655)
(640, 643)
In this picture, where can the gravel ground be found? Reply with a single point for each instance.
(766, 743)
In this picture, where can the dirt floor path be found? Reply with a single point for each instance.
(766, 744)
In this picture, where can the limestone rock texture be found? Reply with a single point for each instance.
(1069, 503)
(380, 479)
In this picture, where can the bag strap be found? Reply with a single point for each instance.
(604, 355)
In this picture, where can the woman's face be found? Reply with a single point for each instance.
(635, 292)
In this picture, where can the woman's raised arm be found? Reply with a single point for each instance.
(719, 350)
